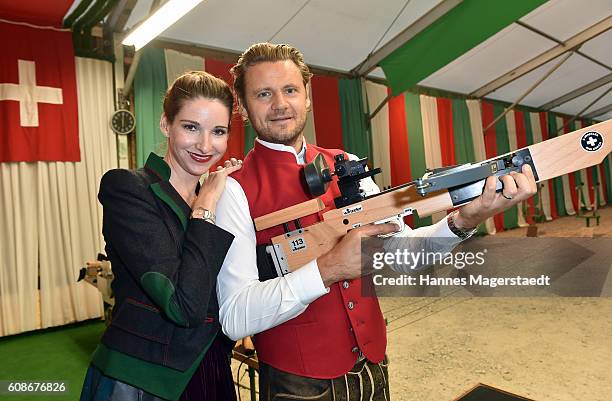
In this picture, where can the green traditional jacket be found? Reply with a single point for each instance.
(165, 265)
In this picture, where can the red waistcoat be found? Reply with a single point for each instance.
(323, 341)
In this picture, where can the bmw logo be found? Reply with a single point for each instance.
(591, 141)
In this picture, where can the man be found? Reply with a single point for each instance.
(316, 337)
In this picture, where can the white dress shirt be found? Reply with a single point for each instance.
(248, 306)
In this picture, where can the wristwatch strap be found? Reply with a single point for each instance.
(461, 233)
(203, 214)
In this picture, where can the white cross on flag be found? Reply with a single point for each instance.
(38, 97)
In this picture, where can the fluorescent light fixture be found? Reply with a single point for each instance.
(161, 20)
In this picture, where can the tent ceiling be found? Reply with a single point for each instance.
(338, 35)
(515, 45)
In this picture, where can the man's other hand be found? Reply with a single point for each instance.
(517, 187)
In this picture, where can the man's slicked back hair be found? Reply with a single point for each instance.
(266, 52)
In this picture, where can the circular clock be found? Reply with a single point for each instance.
(122, 122)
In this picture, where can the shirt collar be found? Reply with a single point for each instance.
(300, 157)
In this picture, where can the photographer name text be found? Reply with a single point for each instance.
(471, 280)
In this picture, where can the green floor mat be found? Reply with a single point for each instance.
(57, 354)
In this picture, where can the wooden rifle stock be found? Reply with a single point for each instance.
(552, 158)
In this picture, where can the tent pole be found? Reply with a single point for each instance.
(577, 92)
(598, 112)
(379, 107)
(572, 43)
(531, 88)
(571, 120)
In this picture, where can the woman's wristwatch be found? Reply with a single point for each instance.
(461, 233)
(203, 214)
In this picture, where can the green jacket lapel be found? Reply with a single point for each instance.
(164, 191)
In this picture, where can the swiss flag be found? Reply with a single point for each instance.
(38, 95)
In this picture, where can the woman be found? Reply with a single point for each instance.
(164, 341)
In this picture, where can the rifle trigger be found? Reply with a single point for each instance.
(399, 220)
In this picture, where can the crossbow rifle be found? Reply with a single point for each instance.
(438, 190)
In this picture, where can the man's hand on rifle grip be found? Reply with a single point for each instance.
(343, 262)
